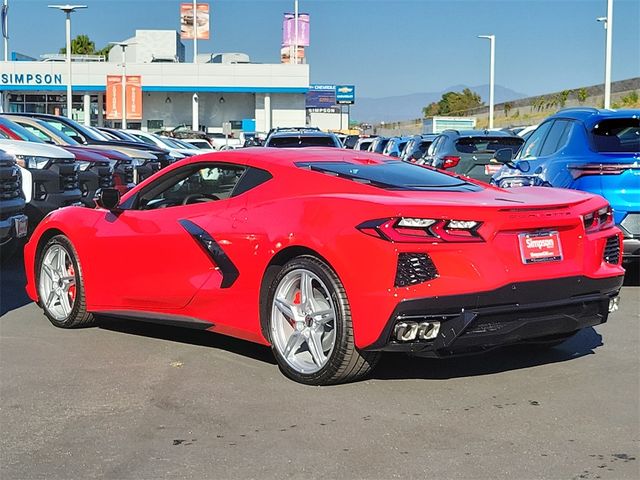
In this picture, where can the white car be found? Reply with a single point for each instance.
(199, 143)
(175, 150)
(49, 176)
(219, 141)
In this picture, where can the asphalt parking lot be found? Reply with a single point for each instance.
(142, 401)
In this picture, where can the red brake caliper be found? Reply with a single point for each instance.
(72, 288)
(297, 298)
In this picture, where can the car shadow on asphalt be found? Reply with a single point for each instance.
(189, 336)
(12, 282)
(515, 357)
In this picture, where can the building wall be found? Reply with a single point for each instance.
(174, 108)
(328, 121)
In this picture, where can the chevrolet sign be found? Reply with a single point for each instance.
(345, 94)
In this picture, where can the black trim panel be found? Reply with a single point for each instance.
(160, 318)
(229, 271)
(528, 302)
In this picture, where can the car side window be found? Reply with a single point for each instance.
(191, 184)
(556, 138)
(533, 145)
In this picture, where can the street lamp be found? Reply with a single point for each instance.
(492, 40)
(68, 9)
(608, 26)
(123, 83)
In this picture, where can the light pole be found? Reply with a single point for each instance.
(124, 46)
(295, 32)
(5, 28)
(608, 26)
(492, 40)
(68, 9)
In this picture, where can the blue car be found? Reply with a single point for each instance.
(597, 151)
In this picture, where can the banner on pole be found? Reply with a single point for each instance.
(289, 30)
(189, 18)
(113, 102)
(133, 97)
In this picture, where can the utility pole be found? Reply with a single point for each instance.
(492, 40)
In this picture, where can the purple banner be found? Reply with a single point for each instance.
(289, 30)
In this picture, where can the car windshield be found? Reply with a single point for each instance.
(49, 131)
(395, 175)
(300, 141)
(487, 144)
(617, 135)
(20, 131)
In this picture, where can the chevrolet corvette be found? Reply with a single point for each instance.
(331, 257)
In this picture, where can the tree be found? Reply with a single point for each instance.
(81, 45)
(454, 103)
(507, 108)
(582, 95)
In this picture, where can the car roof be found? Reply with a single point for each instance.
(310, 133)
(270, 158)
(590, 116)
(479, 133)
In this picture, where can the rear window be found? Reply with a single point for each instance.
(487, 144)
(395, 175)
(301, 141)
(617, 135)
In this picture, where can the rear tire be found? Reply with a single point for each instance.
(60, 287)
(310, 326)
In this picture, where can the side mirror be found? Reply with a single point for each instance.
(504, 155)
(108, 198)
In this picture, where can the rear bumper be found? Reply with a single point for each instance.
(511, 314)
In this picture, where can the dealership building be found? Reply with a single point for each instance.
(219, 88)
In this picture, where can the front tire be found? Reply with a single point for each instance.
(310, 326)
(60, 287)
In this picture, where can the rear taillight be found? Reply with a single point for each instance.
(583, 170)
(450, 161)
(597, 220)
(422, 230)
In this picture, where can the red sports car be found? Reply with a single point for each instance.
(331, 257)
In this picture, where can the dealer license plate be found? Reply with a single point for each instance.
(21, 224)
(540, 247)
(491, 168)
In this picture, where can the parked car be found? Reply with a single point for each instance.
(378, 145)
(335, 256)
(470, 152)
(13, 222)
(94, 171)
(299, 139)
(597, 151)
(350, 141)
(221, 142)
(86, 135)
(417, 147)
(526, 132)
(123, 169)
(49, 177)
(176, 150)
(364, 142)
(199, 143)
(395, 146)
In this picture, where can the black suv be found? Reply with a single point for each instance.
(300, 139)
(470, 152)
(13, 221)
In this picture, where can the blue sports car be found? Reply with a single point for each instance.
(597, 151)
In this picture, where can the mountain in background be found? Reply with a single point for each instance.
(407, 107)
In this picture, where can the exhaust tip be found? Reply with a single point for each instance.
(411, 331)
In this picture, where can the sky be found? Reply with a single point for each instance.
(384, 47)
